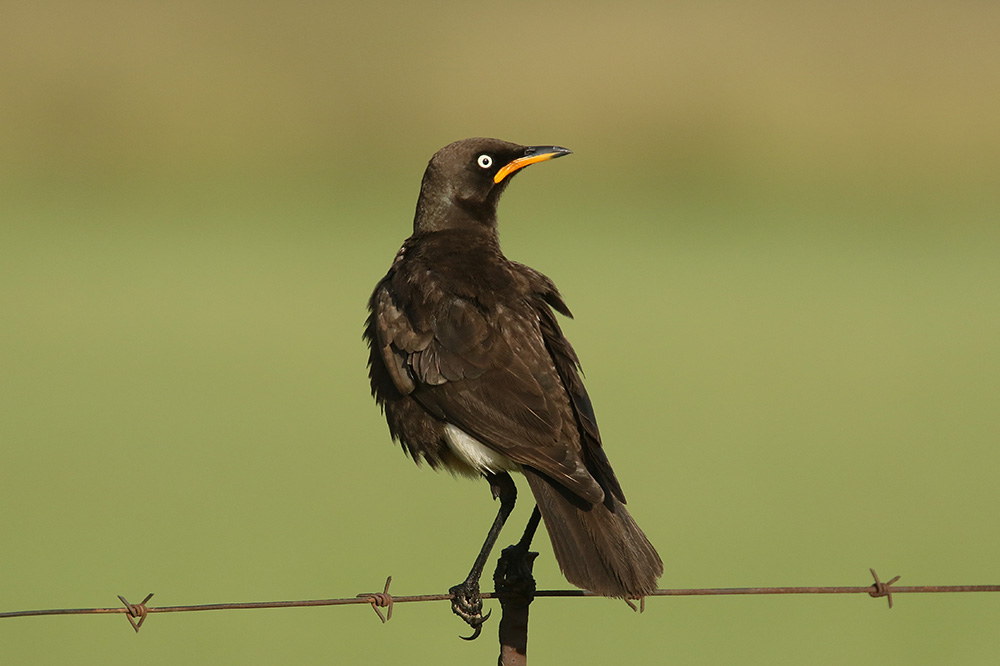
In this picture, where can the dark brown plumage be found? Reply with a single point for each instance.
(474, 375)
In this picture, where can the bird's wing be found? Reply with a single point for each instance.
(498, 383)
(568, 367)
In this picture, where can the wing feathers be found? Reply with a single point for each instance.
(500, 371)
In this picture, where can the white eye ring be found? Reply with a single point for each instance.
(485, 161)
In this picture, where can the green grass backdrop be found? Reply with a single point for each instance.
(779, 235)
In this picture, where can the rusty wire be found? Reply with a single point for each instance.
(137, 613)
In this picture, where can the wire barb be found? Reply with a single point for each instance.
(134, 611)
(880, 589)
(377, 599)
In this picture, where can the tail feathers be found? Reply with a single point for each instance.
(599, 547)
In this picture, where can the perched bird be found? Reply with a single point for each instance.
(474, 375)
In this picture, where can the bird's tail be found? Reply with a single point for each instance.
(599, 547)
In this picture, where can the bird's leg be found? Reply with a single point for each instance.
(514, 567)
(513, 572)
(529, 530)
(465, 599)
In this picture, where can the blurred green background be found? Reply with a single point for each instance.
(779, 234)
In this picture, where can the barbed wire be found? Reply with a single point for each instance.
(137, 613)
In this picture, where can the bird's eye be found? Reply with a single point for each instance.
(485, 161)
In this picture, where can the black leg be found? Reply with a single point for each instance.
(529, 529)
(465, 599)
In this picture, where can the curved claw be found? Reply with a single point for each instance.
(468, 605)
(477, 628)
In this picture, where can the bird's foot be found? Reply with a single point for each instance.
(467, 603)
(513, 573)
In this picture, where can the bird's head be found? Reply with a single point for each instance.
(464, 180)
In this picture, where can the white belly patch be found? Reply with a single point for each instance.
(476, 454)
